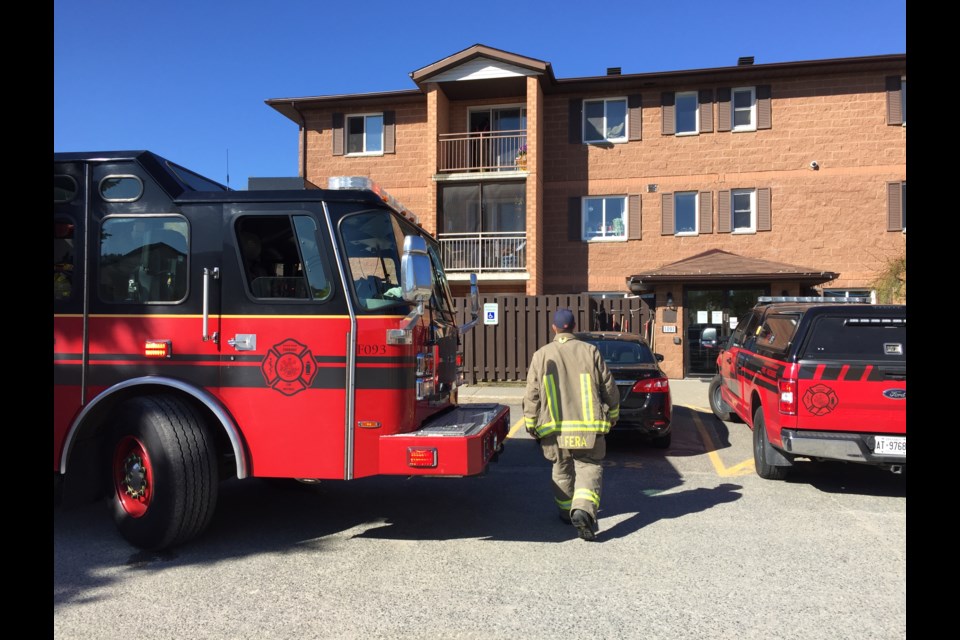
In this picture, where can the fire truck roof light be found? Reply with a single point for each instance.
(339, 183)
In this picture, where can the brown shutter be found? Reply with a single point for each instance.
(723, 212)
(764, 221)
(635, 116)
(389, 132)
(633, 217)
(706, 111)
(337, 131)
(666, 214)
(576, 121)
(894, 101)
(894, 206)
(574, 223)
(668, 123)
(764, 117)
(724, 120)
(705, 202)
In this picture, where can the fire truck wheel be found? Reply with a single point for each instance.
(720, 408)
(764, 470)
(163, 471)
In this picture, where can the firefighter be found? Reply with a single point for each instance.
(571, 402)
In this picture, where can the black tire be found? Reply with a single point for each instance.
(764, 469)
(662, 442)
(720, 408)
(163, 467)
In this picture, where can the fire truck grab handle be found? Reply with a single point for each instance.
(207, 273)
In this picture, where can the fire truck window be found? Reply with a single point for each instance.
(271, 258)
(63, 258)
(143, 260)
(313, 266)
(121, 188)
(64, 188)
(372, 240)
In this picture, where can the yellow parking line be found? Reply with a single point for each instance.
(740, 469)
(515, 427)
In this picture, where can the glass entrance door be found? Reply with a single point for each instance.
(720, 308)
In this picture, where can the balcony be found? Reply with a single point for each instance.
(483, 151)
(485, 252)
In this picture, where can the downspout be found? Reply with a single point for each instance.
(303, 140)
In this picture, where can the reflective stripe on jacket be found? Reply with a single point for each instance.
(570, 390)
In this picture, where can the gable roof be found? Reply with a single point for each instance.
(719, 265)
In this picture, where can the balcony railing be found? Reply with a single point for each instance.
(490, 252)
(483, 151)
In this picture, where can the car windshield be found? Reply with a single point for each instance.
(619, 352)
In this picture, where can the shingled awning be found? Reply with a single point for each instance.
(716, 266)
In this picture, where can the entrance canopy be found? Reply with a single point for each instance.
(718, 266)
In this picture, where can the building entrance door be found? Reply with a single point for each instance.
(719, 307)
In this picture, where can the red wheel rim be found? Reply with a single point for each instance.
(132, 476)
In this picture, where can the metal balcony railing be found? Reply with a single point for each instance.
(483, 151)
(488, 251)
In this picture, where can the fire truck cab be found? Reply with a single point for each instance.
(203, 333)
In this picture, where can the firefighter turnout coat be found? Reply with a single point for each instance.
(570, 392)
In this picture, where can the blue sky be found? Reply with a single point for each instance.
(188, 80)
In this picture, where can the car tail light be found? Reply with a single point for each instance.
(652, 385)
(787, 387)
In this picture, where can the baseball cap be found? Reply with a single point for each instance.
(563, 319)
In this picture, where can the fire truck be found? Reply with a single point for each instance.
(203, 333)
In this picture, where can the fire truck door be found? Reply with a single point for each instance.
(283, 337)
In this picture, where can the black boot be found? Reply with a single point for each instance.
(585, 524)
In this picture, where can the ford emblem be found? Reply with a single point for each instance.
(896, 394)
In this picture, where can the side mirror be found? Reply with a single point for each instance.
(708, 338)
(658, 356)
(416, 272)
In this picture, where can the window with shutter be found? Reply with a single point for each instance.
(605, 120)
(604, 218)
(687, 113)
(364, 134)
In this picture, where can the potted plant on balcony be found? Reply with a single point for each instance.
(521, 159)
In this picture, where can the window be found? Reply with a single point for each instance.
(365, 134)
(743, 210)
(605, 120)
(685, 213)
(143, 259)
(63, 257)
(744, 109)
(281, 257)
(64, 188)
(604, 219)
(687, 113)
(121, 188)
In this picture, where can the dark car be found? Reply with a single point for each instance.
(645, 404)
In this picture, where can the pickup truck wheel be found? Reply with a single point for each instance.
(163, 472)
(764, 470)
(720, 408)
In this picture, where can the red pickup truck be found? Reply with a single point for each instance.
(817, 379)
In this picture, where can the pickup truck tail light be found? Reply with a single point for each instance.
(787, 388)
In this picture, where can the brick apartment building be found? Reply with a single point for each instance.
(696, 190)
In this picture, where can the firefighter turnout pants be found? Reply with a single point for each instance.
(577, 475)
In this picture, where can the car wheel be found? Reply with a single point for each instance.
(720, 408)
(662, 442)
(764, 469)
(163, 469)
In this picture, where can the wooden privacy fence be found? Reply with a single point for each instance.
(502, 351)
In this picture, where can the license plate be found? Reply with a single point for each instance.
(889, 446)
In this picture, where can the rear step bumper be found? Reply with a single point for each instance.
(829, 445)
(462, 441)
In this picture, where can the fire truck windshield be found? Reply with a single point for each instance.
(372, 241)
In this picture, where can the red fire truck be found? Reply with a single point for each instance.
(203, 333)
